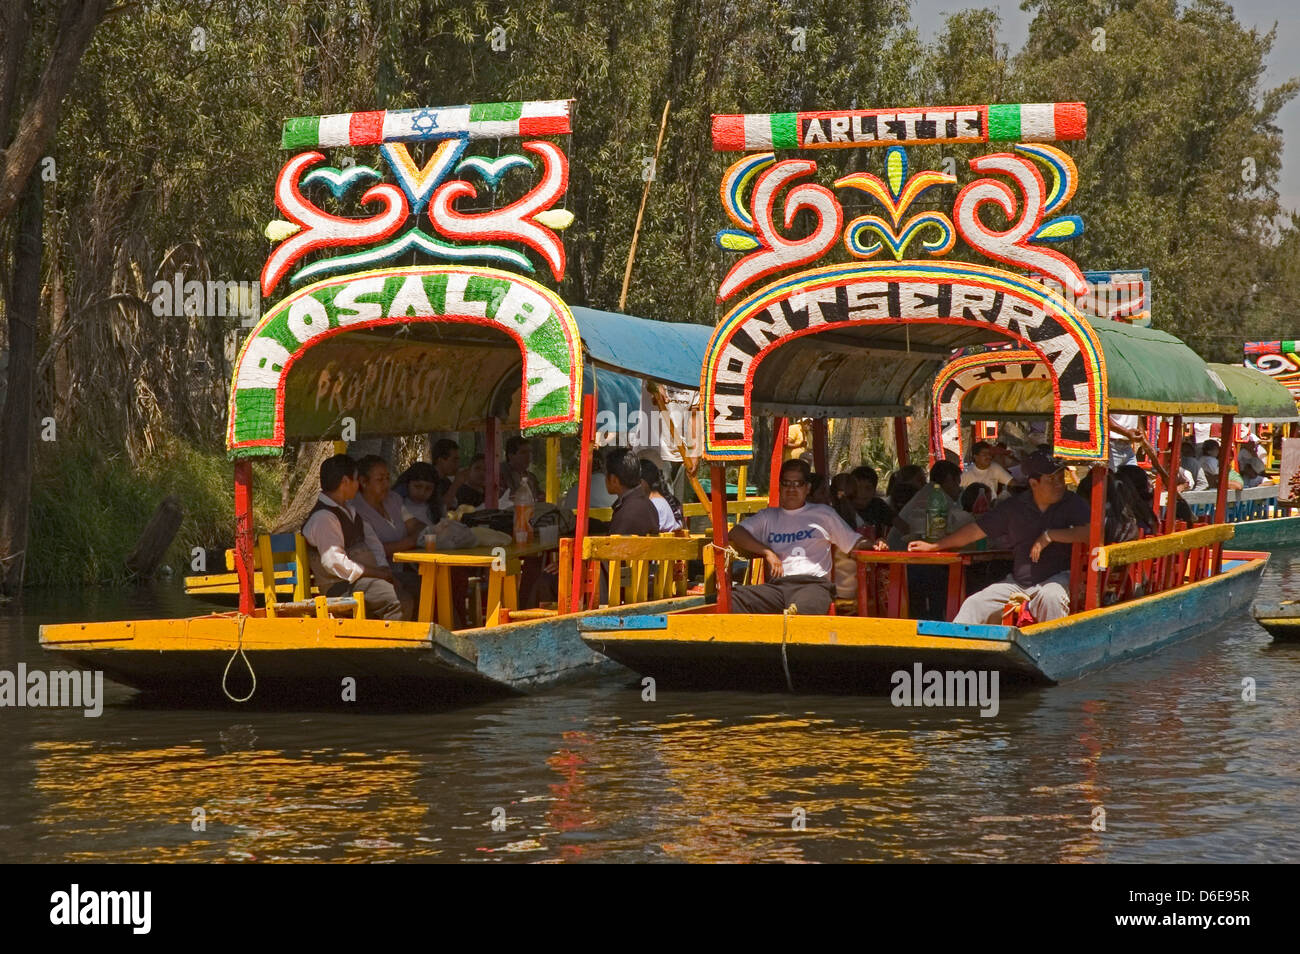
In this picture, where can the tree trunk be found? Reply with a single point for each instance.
(36, 126)
(156, 538)
(19, 415)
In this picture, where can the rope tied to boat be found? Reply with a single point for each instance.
(239, 651)
(789, 611)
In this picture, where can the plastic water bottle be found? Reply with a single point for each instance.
(523, 500)
(936, 514)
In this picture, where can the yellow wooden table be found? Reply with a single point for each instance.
(502, 564)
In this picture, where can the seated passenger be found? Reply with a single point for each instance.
(418, 488)
(983, 469)
(470, 485)
(634, 514)
(795, 541)
(1039, 527)
(819, 489)
(912, 518)
(598, 496)
(382, 510)
(515, 472)
(446, 466)
(872, 511)
(1190, 461)
(344, 553)
(666, 505)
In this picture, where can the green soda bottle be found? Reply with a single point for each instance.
(936, 514)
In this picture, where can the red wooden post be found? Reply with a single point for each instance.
(819, 447)
(718, 497)
(588, 440)
(780, 431)
(1096, 536)
(1175, 454)
(244, 534)
(900, 440)
(490, 455)
(1225, 465)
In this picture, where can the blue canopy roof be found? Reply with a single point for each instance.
(667, 351)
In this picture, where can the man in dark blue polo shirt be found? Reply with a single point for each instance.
(1039, 528)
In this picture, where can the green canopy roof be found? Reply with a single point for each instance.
(1148, 372)
(1260, 399)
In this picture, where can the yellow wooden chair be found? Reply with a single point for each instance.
(303, 603)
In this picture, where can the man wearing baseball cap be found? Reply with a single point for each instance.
(1039, 528)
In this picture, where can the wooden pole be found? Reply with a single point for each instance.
(553, 470)
(244, 534)
(718, 479)
(1175, 452)
(491, 451)
(1096, 535)
(819, 447)
(780, 431)
(900, 440)
(578, 586)
(661, 402)
(645, 194)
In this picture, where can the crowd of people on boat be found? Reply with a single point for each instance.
(1027, 505)
(362, 517)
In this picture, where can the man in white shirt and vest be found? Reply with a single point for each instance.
(795, 541)
(345, 554)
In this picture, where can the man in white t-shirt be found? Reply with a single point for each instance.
(1125, 429)
(983, 469)
(795, 541)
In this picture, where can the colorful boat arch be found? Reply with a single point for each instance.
(953, 293)
(535, 317)
(959, 377)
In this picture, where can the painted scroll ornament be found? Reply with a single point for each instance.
(897, 196)
(774, 252)
(1013, 245)
(318, 229)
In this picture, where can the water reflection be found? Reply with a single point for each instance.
(1181, 765)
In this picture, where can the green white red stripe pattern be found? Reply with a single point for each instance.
(849, 128)
(478, 121)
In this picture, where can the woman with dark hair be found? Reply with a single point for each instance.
(380, 507)
(382, 510)
(666, 505)
(1136, 486)
(418, 487)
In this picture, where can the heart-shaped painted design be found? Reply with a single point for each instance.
(419, 184)
(340, 181)
(855, 236)
(492, 171)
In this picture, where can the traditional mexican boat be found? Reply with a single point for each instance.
(1148, 370)
(1282, 620)
(362, 349)
(861, 339)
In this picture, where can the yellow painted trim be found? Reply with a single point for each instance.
(643, 548)
(748, 505)
(1170, 407)
(737, 629)
(1067, 621)
(221, 633)
(1122, 554)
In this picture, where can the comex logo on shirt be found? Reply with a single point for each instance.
(793, 537)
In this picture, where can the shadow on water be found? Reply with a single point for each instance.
(1165, 752)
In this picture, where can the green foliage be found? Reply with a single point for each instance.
(89, 508)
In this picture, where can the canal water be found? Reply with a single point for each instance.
(1165, 752)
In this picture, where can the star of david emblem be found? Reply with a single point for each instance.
(425, 121)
